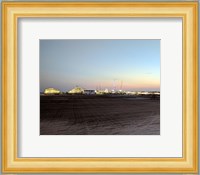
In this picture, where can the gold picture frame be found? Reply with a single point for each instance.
(12, 11)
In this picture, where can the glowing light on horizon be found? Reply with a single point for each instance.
(51, 91)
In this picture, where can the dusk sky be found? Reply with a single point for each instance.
(99, 64)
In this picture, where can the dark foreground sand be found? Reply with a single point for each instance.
(99, 115)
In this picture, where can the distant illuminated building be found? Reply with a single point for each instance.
(113, 91)
(143, 93)
(131, 92)
(51, 91)
(76, 90)
(89, 92)
(157, 93)
(100, 92)
(106, 91)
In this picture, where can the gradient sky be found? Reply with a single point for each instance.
(99, 64)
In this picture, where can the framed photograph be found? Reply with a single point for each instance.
(100, 87)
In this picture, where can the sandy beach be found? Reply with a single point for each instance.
(99, 115)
